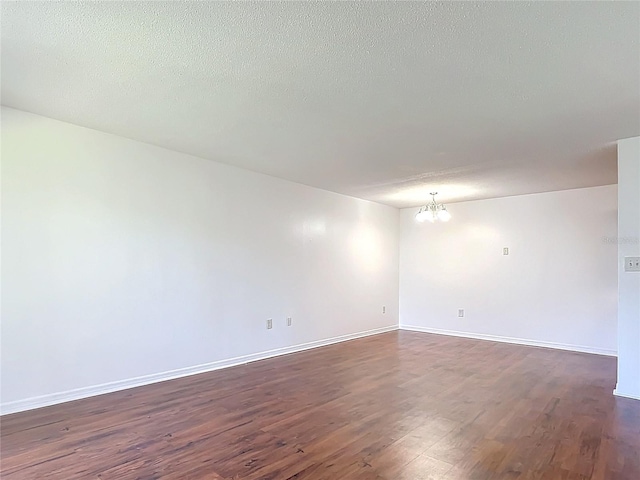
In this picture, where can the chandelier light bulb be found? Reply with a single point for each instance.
(444, 215)
(431, 216)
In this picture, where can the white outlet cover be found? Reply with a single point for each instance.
(632, 264)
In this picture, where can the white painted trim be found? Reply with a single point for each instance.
(85, 392)
(618, 393)
(517, 341)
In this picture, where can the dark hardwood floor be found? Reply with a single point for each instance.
(396, 406)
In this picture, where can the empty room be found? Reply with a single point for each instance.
(320, 240)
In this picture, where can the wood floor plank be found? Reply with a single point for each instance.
(395, 406)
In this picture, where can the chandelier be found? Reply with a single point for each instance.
(433, 211)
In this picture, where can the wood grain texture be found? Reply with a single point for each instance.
(395, 406)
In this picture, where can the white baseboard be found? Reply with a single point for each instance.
(517, 341)
(618, 393)
(85, 392)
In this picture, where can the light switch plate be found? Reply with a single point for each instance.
(632, 264)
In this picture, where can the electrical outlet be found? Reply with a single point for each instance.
(632, 264)
(269, 323)
(461, 312)
(288, 321)
(384, 309)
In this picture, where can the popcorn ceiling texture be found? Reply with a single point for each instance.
(383, 101)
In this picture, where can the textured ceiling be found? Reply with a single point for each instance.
(383, 101)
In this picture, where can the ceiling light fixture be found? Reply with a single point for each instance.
(433, 211)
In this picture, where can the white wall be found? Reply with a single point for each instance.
(123, 260)
(557, 287)
(628, 282)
